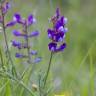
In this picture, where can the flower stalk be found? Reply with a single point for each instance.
(48, 70)
(27, 43)
(8, 55)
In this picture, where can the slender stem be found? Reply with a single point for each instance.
(1, 57)
(49, 66)
(5, 37)
(27, 41)
(4, 31)
(39, 85)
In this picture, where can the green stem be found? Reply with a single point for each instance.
(2, 63)
(27, 41)
(49, 66)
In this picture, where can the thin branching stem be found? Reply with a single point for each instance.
(49, 66)
(6, 43)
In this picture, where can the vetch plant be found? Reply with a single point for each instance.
(4, 7)
(25, 23)
(57, 36)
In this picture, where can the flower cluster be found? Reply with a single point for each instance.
(25, 23)
(57, 33)
(5, 6)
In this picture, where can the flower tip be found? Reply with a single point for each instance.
(57, 12)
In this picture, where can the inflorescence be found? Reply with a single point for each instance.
(57, 33)
(25, 23)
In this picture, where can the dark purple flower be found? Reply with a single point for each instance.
(31, 20)
(61, 47)
(52, 46)
(57, 33)
(50, 33)
(10, 24)
(59, 37)
(17, 18)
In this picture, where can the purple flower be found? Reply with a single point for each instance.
(31, 20)
(58, 32)
(37, 60)
(34, 33)
(17, 17)
(15, 43)
(52, 46)
(33, 52)
(61, 47)
(6, 7)
(10, 24)
(19, 55)
(18, 33)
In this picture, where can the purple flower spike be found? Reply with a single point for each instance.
(58, 32)
(19, 55)
(35, 33)
(25, 23)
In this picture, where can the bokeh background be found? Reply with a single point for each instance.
(72, 71)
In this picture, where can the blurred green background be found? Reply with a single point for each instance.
(73, 70)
